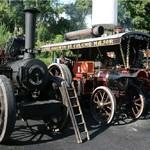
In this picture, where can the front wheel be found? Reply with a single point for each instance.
(103, 105)
(7, 108)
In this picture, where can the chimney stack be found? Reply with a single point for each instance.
(30, 20)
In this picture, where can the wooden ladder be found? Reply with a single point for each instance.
(76, 115)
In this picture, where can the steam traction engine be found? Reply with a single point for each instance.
(109, 72)
(27, 90)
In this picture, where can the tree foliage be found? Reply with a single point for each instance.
(56, 18)
(77, 13)
(4, 35)
(49, 22)
(134, 14)
(7, 15)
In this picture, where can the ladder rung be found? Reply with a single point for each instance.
(78, 114)
(75, 111)
(70, 89)
(81, 123)
(75, 105)
(73, 97)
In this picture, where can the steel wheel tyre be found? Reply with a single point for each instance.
(7, 108)
(136, 103)
(60, 70)
(103, 105)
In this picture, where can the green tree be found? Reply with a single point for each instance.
(77, 13)
(7, 15)
(49, 23)
(4, 35)
(43, 33)
(134, 14)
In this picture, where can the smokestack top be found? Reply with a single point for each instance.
(32, 10)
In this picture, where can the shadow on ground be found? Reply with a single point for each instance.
(37, 133)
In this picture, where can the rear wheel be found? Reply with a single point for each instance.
(61, 71)
(58, 120)
(136, 102)
(103, 105)
(7, 108)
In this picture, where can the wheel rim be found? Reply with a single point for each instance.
(55, 71)
(61, 70)
(103, 105)
(7, 108)
(2, 111)
(137, 104)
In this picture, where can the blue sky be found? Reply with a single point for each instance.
(67, 1)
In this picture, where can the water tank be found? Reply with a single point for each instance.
(104, 12)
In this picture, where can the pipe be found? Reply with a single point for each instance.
(94, 31)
